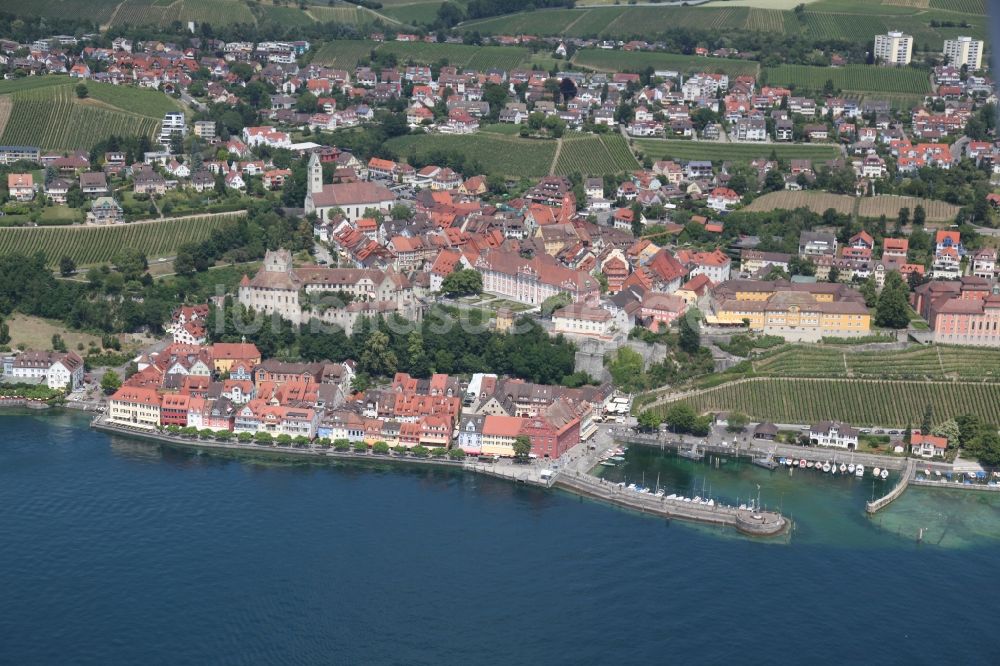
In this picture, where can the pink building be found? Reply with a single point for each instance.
(661, 310)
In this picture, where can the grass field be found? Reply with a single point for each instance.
(95, 245)
(817, 202)
(680, 149)
(638, 61)
(47, 113)
(501, 155)
(594, 155)
(854, 78)
(36, 333)
(937, 211)
(858, 402)
(412, 12)
(343, 53)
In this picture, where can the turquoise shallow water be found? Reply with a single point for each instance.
(120, 552)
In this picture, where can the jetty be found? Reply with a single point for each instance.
(749, 521)
(875, 506)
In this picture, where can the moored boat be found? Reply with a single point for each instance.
(859, 471)
(884, 474)
(826, 467)
(850, 468)
(802, 464)
(876, 471)
(843, 467)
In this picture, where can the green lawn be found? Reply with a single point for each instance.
(497, 154)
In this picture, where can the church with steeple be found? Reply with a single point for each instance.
(350, 199)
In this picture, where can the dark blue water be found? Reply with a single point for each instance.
(117, 552)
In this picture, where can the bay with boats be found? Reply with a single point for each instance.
(121, 551)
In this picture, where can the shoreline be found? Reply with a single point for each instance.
(749, 523)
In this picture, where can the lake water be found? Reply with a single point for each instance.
(121, 552)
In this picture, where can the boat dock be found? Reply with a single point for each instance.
(748, 521)
(875, 506)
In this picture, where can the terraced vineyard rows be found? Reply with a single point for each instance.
(51, 118)
(343, 53)
(857, 78)
(858, 402)
(935, 363)
(888, 205)
(963, 6)
(595, 156)
(638, 61)
(765, 20)
(818, 202)
(680, 149)
(95, 245)
(498, 154)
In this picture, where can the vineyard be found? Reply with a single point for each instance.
(923, 363)
(765, 20)
(858, 402)
(854, 78)
(680, 149)
(937, 211)
(498, 154)
(962, 6)
(638, 61)
(94, 245)
(54, 118)
(593, 155)
(343, 53)
(817, 202)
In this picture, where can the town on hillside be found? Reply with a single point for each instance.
(656, 212)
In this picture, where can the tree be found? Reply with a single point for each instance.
(737, 422)
(893, 310)
(341, 445)
(378, 359)
(522, 446)
(66, 266)
(904, 217)
(690, 336)
(462, 282)
(439, 452)
(4, 333)
(919, 216)
(380, 448)
(949, 430)
(553, 303)
(626, 369)
(81, 91)
(456, 453)
(869, 290)
(680, 417)
(928, 422)
(360, 447)
(648, 420)
(986, 447)
(110, 382)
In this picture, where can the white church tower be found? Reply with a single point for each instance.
(314, 182)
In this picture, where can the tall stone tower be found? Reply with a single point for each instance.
(315, 175)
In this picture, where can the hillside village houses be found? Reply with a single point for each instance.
(544, 241)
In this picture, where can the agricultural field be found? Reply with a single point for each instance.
(817, 202)
(595, 155)
(963, 6)
(681, 149)
(145, 12)
(46, 112)
(98, 244)
(889, 205)
(638, 61)
(852, 78)
(858, 402)
(54, 118)
(500, 155)
(541, 22)
(285, 16)
(412, 12)
(98, 11)
(345, 13)
(922, 363)
(216, 12)
(343, 53)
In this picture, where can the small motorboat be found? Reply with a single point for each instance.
(687, 499)
(859, 471)
(876, 471)
(809, 465)
(802, 464)
(826, 467)
(843, 467)
(884, 474)
(850, 468)
(711, 502)
(672, 496)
